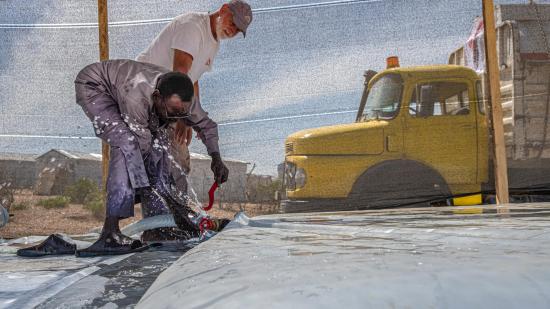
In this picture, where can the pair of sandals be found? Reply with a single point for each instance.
(114, 244)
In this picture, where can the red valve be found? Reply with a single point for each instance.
(211, 196)
(206, 224)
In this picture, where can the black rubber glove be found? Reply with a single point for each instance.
(220, 170)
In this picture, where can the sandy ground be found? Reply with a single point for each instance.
(74, 219)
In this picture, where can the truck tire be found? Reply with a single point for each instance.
(398, 183)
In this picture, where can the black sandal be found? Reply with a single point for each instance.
(108, 246)
(53, 245)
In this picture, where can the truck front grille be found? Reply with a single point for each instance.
(289, 148)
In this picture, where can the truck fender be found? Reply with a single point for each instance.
(397, 183)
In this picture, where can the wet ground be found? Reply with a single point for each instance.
(71, 282)
(120, 284)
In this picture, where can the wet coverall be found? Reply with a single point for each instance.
(116, 95)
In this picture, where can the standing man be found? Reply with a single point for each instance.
(131, 105)
(189, 44)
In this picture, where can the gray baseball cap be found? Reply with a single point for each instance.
(242, 14)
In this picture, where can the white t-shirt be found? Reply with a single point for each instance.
(190, 33)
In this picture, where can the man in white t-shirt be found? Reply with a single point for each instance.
(189, 44)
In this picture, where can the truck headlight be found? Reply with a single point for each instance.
(295, 177)
(290, 174)
(300, 178)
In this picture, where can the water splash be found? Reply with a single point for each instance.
(193, 199)
(168, 220)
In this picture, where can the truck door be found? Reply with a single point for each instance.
(440, 129)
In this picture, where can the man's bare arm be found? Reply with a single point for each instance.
(190, 131)
(182, 63)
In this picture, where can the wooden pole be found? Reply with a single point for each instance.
(501, 166)
(103, 55)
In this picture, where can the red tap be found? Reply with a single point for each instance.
(211, 196)
(207, 223)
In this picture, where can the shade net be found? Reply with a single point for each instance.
(290, 101)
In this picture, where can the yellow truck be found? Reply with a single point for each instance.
(421, 135)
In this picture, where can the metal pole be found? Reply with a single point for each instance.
(501, 166)
(103, 55)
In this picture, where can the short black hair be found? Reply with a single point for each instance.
(175, 83)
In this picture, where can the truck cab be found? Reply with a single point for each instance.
(420, 137)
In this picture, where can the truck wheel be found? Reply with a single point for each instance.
(398, 183)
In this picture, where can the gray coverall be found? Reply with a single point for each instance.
(116, 95)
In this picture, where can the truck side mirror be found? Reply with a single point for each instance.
(369, 74)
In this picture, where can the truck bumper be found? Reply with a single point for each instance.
(316, 205)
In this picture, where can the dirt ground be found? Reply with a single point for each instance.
(74, 219)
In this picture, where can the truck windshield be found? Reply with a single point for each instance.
(384, 98)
